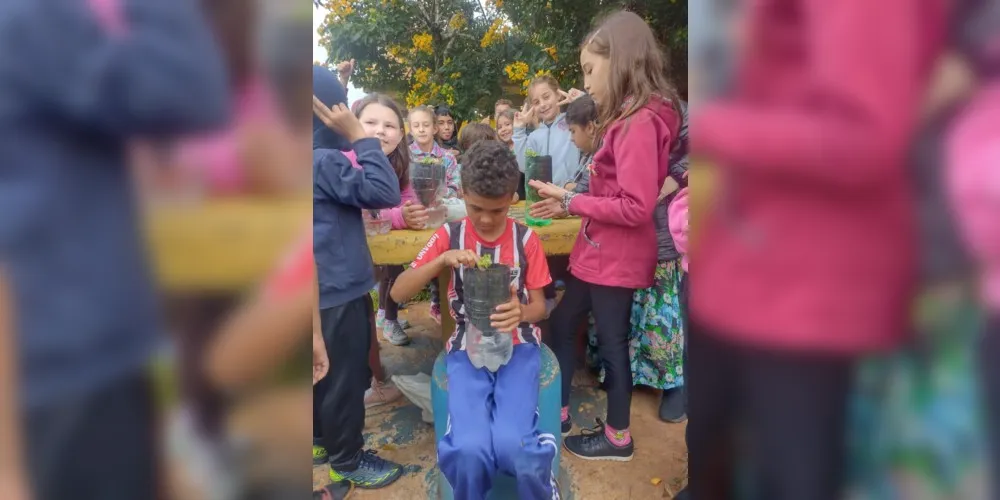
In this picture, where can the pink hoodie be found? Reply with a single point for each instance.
(677, 221)
(616, 245)
(974, 185)
(396, 214)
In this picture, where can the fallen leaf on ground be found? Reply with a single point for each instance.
(656, 481)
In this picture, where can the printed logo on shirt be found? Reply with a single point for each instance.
(429, 245)
(515, 275)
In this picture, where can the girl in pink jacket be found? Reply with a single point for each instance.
(382, 118)
(616, 250)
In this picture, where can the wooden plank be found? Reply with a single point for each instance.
(222, 245)
(401, 247)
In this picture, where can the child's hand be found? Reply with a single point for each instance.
(568, 97)
(344, 70)
(340, 120)
(415, 215)
(321, 363)
(508, 315)
(547, 209)
(524, 117)
(669, 186)
(548, 190)
(458, 258)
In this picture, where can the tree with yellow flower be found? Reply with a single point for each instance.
(469, 53)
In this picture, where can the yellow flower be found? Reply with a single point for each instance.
(524, 87)
(423, 42)
(493, 35)
(455, 76)
(457, 21)
(341, 8)
(516, 71)
(448, 93)
(551, 51)
(542, 72)
(422, 75)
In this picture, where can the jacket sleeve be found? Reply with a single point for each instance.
(373, 186)
(522, 143)
(679, 153)
(854, 122)
(396, 214)
(453, 176)
(136, 68)
(635, 151)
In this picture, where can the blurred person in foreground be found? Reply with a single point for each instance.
(81, 80)
(807, 257)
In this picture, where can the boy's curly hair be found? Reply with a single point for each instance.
(490, 170)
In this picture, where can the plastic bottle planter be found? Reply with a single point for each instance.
(485, 288)
(427, 177)
(538, 168)
(375, 223)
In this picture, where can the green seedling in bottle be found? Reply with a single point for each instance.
(484, 262)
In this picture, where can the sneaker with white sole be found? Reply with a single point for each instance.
(380, 320)
(593, 444)
(393, 332)
(381, 393)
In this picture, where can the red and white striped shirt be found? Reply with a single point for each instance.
(518, 247)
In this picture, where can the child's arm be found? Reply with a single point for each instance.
(854, 123)
(374, 185)
(537, 277)
(522, 140)
(409, 214)
(431, 260)
(635, 150)
(12, 462)
(413, 280)
(534, 310)
(453, 176)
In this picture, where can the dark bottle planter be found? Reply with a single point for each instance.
(427, 180)
(484, 290)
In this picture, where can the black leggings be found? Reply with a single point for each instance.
(790, 409)
(385, 303)
(989, 372)
(612, 307)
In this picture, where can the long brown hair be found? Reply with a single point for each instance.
(400, 158)
(638, 66)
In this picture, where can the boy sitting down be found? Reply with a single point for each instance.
(492, 416)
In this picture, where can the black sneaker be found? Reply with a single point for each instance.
(672, 406)
(373, 472)
(592, 444)
(567, 427)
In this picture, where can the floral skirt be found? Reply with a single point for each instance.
(656, 339)
(916, 422)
